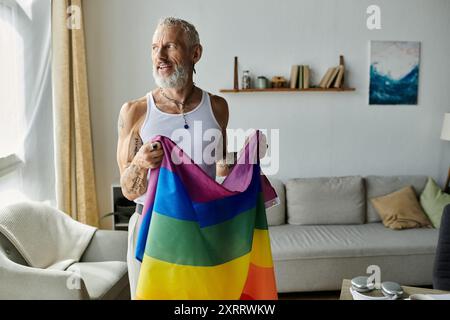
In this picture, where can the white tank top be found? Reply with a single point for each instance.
(193, 140)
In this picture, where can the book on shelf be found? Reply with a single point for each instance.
(294, 76)
(300, 77)
(326, 77)
(306, 76)
(333, 77)
(340, 77)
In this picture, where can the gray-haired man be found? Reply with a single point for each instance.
(175, 105)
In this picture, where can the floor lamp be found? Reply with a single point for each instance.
(445, 135)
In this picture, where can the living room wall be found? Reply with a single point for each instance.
(321, 134)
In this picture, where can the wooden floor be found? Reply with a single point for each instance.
(321, 295)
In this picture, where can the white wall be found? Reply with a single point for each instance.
(322, 134)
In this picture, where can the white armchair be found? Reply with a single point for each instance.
(101, 272)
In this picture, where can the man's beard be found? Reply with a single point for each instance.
(178, 78)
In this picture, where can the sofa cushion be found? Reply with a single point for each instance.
(276, 215)
(103, 280)
(433, 201)
(377, 186)
(333, 200)
(401, 210)
(290, 242)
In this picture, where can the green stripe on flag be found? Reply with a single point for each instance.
(185, 243)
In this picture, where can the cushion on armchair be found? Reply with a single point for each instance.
(44, 236)
(103, 280)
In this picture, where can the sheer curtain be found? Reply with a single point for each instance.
(11, 84)
(26, 124)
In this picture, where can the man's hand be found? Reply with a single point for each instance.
(263, 146)
(149, 156)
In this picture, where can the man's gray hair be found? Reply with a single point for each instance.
(192, 37)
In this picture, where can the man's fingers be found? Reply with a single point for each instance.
(158, 156)
(156, 153)
(152, 162)
(155, 145)
(155, 164)
(152, 146)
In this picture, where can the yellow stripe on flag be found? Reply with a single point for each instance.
(162, 280)
(261, 255)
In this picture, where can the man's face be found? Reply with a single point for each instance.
(171, 58)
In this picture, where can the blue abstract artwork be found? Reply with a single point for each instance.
(394, 72)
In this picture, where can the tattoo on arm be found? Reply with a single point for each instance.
(134, 146)
(137, 144)
(134, 180)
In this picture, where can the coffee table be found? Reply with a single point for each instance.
(407, 291)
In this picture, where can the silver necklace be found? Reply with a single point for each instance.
(182, 103)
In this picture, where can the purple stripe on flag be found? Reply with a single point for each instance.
(193, 177)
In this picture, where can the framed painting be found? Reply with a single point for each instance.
(394, 72)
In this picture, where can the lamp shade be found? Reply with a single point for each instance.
(445, 134)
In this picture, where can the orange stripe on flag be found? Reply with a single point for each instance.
(260, 284)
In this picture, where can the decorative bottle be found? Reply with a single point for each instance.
(246, 80)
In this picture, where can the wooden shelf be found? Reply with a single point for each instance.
(286, 90)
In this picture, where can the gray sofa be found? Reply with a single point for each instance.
(326, 230)
(102, 267)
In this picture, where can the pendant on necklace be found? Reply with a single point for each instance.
(186, 126)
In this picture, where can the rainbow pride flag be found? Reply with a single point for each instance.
(200, 239)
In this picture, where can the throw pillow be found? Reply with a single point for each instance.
(401, 210)
(433, 201)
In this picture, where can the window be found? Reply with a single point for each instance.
(11, 88)
(26, 122)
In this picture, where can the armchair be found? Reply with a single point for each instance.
(101, 272)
